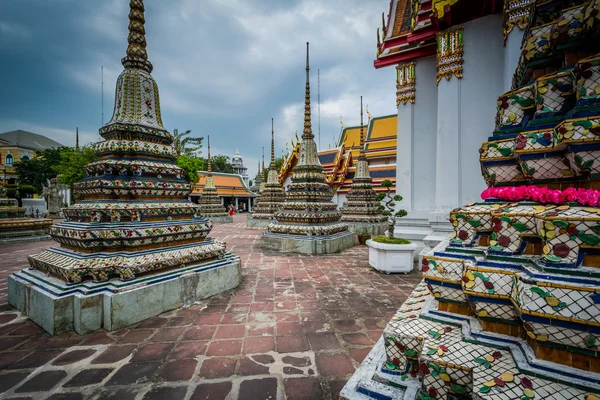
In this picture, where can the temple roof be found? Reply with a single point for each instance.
(29, 140)
(411, 27)
(226, 184)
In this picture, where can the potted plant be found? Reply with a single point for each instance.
(387, 253)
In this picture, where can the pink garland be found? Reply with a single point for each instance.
(586, 197)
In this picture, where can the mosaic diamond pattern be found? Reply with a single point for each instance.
(551, 93)
(513, 106)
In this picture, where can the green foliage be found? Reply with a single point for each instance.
(37, 171)
(389, 240)
(221, 163)
(388, 208)
(186, 146)
(70, 167)
(191, 165)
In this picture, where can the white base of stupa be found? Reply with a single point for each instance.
(114, 304)
(224, 219)
(258, 223)
(307, 244)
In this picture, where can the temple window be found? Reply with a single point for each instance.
(9, 159)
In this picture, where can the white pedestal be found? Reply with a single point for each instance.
(391, 258)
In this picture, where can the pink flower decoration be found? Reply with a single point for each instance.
(543, 195)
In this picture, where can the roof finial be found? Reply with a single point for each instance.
(307, 134)
(137, 57)
(362, 133)
(263, 159)
(272, 166)
(209, 166)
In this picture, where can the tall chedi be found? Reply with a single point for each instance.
(309, 222)
(135, 246)
(210, 204)
(271, 197)
(362, 212)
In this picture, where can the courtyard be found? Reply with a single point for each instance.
(296, 328)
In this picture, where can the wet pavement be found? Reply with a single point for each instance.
(296, 328)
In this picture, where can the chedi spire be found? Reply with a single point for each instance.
(137, 57)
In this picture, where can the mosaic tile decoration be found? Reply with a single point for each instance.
(405, 83)
(135, 216)
(450, 53)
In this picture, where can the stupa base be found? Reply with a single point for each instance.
(367, 228)
(15, 230)
(325, 244)
(88, 306)
(223, 219)
(260, 223)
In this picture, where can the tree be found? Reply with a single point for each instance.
(37, 171)
(186, 146)
(221, 163)
(191, 165)
(70, 168)
(388, 208)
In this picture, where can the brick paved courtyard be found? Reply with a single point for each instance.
(296, 328)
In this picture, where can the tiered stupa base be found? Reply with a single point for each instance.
(317, 244)
(220, 219)
(367, 228)
(15, 227)
(258, 223)
(428, 352)
(58, 306)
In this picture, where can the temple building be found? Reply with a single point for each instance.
(339, 163)
(231, 189)
(20, 145)
(135, 246)
(509, 305)
(271, 197)
(238, 167)
(451, 59)
(308, 222)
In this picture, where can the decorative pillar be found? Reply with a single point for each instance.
(516, 15)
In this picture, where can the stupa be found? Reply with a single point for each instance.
(509, 307)
(256, 185)
(209, 203)
(309, 222)
(272, 196)
(15, 227)
(134, 247)
(361, 211)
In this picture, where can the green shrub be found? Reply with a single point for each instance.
(28, 189)
(387, 240)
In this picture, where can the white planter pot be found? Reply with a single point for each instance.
(391, 258)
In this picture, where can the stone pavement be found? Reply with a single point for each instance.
(296, 328)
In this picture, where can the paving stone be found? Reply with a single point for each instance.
(347, 325)
(162, 393)
(289, 344)
(211, 391)
(113, 354)
(168, 334)
(11, 379)
(263, 358)
(66, 396)
(231, 332)
(41, 382)
(289, 328)
(188, 350)
(217, 367)
(133, 373)
(156, 322)
(88, 377)
(357, 338)
(73, 356)
(4, 318)
(152, 352)
(292, 371)
(178, 370)
(98, 338)
(249, 367)
(224, 348)
(266, 329)
(34, 360)
(334, 364)
(258, 345)
(204, 332)
(11, 357)
(208, 319)
(296, 361)
(136, 336)
(359, 354)
(302, 388)
(120, 394)
(323, 341)
(254, 389)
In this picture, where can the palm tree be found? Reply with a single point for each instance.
(186, 146)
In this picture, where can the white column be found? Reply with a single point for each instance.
(249, 204)
(237, 206)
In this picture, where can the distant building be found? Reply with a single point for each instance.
(231, 189)
(20, 145)
(238, 167)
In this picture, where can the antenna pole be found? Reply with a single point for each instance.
(319, 104)
(102, 90)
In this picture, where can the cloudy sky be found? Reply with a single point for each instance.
(223, 67)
